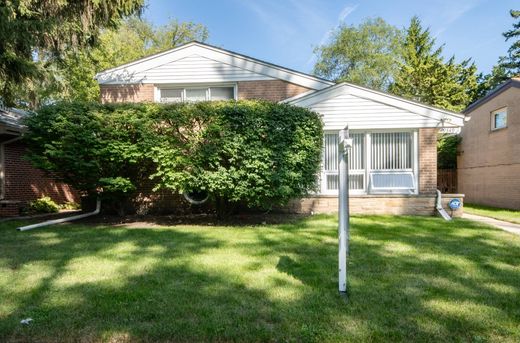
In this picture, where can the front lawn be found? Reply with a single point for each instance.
(410, 279)
(493, 212)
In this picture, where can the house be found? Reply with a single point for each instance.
(489, 153)
(19, 181)
(393, 161)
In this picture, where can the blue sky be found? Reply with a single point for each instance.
(286, 31)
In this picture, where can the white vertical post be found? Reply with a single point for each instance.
(345, 143)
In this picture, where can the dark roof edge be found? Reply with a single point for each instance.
(493, 93)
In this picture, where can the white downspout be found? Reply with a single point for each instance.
(438, 206)
(63, 220)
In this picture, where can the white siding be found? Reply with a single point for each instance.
(361, 113)
(196, 69)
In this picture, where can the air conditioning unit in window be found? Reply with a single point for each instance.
(392, 181)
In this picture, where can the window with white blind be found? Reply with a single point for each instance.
(330, 180)
(215, 93)
(379, 162)
(392, 160)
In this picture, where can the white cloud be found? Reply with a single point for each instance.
(345, 12)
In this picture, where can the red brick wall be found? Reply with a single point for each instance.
(24, 183)
(127, 93)
(273, 90)
(427, 160)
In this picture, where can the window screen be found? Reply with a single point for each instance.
(392, 150)
(171, 95)
(356, 162)
(500, 119)
(222, 93)
(196, 94)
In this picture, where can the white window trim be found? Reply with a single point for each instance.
(493, 115)
(368, 189)
(184, 86)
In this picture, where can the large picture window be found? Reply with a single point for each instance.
(379, 162)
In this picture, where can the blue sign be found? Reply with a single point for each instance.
(455, 204)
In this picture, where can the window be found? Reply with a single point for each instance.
(379, 162)
(356, 163)
(171, 95)
(499, 119)
(392, 162)
(196, 94)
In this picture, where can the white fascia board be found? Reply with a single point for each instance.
(447, 118)
(127, 72)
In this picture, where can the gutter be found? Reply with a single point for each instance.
(63, 220)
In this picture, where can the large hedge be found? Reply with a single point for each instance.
(252, 152)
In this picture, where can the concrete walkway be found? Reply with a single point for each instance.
(506, 226)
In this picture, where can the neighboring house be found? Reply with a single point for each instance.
(394, 157)
(489, 159)
(19, 181)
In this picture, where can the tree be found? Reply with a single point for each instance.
(367, 55)
(424, 76)
(33, 34)
(507, 66)
(133, 39)
(255, 153)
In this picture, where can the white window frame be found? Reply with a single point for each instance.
(367, 184)
(493, 116)
(207, 86)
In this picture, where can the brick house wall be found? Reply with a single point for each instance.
(489, 160)
(127, 93)
(428, 161)
(24, 183)
(273, 90)
(148, 201)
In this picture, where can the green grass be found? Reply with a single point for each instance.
(410, 279)
(493, 212)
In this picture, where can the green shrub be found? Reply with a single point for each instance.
(44, 205)
(70, 205)
(253, 152)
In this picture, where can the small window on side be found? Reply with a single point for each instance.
(499, 119)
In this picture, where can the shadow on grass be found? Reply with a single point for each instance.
(410, 279)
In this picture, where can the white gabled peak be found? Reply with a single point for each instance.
(198, 62)
(370, 108)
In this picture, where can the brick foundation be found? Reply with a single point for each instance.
(423, 205)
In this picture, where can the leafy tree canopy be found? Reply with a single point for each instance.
(367, 54)
(33, 34)
(508, 66)
(425, 76)
(256, 153)
(72, 76)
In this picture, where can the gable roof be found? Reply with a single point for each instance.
(221, 65)
(513, 82)
(379, 109)
(12, 118)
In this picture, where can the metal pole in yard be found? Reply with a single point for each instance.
(345, 143)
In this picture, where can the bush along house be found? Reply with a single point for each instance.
(20, 183)
(393, 162)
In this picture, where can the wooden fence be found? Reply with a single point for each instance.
(447, 180)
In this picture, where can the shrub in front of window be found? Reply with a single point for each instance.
(256, 153)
